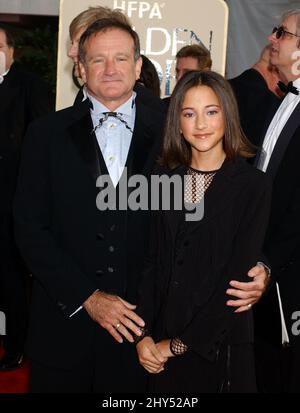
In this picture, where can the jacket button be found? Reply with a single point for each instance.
(99, 273)
(110, 269)
(113, 227)
(176, 283)
(111, 248)
(186, 243)
(61, 305)
(100, 236)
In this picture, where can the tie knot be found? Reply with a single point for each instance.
(116, 115)
(289, 88)
(113, 114)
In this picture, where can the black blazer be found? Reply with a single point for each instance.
(256, 103)
(282, 245)
(64, 239)
(183, 292)
(23, 98)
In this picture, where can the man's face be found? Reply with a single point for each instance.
(73, 52)
(185, 64)
(6, 53)
(110, 70)
(282, 53)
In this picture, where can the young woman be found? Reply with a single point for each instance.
(192, 341)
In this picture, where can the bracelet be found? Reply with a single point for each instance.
(177, 347)
(145, 333)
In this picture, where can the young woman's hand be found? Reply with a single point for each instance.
(149, 356)
(164, 348)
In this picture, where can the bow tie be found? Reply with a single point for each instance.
(288, 88)
(116, 115)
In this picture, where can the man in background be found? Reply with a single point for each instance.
(191, 57)
(23, 97)
(258, 96)
(277, 314)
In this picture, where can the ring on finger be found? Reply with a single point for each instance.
(118, 325)
(249, 306)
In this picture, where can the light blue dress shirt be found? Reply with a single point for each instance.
(113, 137)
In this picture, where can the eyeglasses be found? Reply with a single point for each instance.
(280, 32)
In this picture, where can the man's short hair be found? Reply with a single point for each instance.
(293, 12)
(9, 36)
(198, 52)
(103, 25)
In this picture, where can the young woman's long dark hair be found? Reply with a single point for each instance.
(176, 151)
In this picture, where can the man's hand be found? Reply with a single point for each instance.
(149, 356)
(248, 293)
(114, 314)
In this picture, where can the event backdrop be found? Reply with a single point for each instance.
(163, 26)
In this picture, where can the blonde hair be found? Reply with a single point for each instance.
(89, 16)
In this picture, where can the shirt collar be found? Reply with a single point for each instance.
(296, 83)
(125, 109)
(2, 76)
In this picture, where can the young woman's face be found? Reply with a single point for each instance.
(202, 121)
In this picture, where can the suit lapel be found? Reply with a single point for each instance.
(283, 141)
(141, 151)
(84, 139)
(221, 191)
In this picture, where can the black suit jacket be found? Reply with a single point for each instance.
(183, 292)
(64, 239)
(256, 103)
(282, 245)
(23, 98)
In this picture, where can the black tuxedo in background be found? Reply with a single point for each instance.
(74, 249)
(256, 103)
(282, 249)
(23, 98)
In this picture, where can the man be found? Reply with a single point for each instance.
(279, 158)
(257, 95)
(81, 256)
(86, 262)
(23, 97)
(78, 25)
(191, 57)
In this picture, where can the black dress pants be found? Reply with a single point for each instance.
(108, 367)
